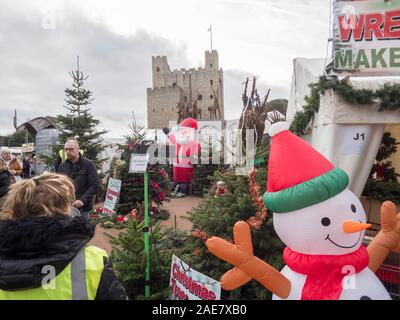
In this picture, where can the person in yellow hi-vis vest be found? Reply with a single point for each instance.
(44, 251)
(62, 157)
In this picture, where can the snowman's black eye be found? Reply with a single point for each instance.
(353, 208)
(325, 222)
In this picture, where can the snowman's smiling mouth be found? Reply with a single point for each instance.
(344, 247)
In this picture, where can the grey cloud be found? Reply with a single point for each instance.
(35, 63)
(233, 84)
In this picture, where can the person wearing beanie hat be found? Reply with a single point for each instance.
(321, 222)
(186, 150)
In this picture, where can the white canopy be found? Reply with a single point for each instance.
(348, 135)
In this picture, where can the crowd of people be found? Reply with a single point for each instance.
(13, 169)
(44, 232)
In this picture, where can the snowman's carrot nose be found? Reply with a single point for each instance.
(354, 226)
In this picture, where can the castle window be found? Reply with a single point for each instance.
(211, 97)
(211, 82)
(154, 110)
(210, 65)
(158, 69)
(200, 97)
(174, 85)
(162, 109)
(185, 99)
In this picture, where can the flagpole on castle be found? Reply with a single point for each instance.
(210, 30)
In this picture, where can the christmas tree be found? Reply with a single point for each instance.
(129, 259)
(79, 122)
(132, 189)
(18, 138)
(206, 169)
(382, 183)
(216, 216)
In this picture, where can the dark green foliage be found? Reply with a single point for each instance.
(387, 147)
(382, 190)
(216, 215)
(382, 183)
(389, 96)
(204, 171)
(18, 138)
(77, 122)
(129, 259)
(132, 189)
(303, 118)
(277, 104)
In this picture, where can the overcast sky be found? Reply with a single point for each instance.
(115, 39)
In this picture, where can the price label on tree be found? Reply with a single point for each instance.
(112, 196)
(138, 163)
(354, 139)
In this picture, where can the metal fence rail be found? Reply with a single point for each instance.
(390, 277)
(389, 272)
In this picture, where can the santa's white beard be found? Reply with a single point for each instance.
(182, 140)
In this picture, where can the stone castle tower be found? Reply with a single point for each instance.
(179, 94)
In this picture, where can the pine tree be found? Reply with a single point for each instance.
(216, 216)
(129, 260)
(18, 138)
(79, 122)
(204, 171)
(132, 189)
(382, 183)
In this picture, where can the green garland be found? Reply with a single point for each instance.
(389, 96)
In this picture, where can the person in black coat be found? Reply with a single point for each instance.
(84, 175)
(26, 168)
(4, 181)
(38, 230)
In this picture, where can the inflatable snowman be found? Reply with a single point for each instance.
(321, 222)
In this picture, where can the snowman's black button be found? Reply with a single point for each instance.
(365, 298)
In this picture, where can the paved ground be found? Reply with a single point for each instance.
(178, 209)
(101, 239)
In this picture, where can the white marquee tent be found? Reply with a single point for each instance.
(348, 135)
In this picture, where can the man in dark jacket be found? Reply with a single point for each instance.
(26, 168)
(84, 174)
(4, 181)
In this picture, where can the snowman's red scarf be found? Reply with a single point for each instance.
(325, 273)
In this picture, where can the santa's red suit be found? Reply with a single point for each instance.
(186, 148)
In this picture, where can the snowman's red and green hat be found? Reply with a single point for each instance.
(298, 175)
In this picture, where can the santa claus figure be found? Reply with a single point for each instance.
(220, 188)
(187, 150)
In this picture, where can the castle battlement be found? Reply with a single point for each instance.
(195, 86)
(162, 90)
